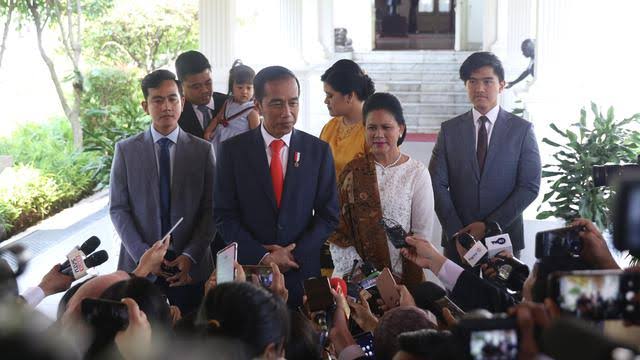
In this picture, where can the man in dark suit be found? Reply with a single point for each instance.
(157, 177)
(276, 192)
(202, 103)
(485, 165)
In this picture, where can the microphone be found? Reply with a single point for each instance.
(90, 261)
(87, 248)
(339, 285)
(495, 240)
(476, 251)
(429, 296)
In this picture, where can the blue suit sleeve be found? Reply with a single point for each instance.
(120, 210)
(439, 171)
(527, 183)
(227, 212)
(325, 206)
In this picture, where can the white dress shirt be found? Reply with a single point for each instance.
(173, 136)
(449, 274)
(199, 114)
(492, 115)
(284, 152)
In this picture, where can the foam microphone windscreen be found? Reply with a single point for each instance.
(93, 260)
(339, 285)
(90, 245)
(87, 248)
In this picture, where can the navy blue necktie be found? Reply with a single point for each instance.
(206, 116)
(165, 184)
(481, 150)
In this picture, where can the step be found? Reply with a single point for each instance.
(437, 76)
(429, 109)
(433, 121)
(419, 56)
(410, 66)
(393, 86)
(432, 97)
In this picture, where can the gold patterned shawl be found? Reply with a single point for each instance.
(360, 215)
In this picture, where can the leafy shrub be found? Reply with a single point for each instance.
(572, 191)
(111, 112)
(49, 174)
(26, 196)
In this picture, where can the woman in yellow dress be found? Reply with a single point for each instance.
(346, 87)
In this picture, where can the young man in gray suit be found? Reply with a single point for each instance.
(157, 177)
(485, 165)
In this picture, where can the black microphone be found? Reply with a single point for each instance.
(492, 228)
(87, 248)
(92, 260)
(429, 296)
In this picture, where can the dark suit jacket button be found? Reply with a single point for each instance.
(280, 227)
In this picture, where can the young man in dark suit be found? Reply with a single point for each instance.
(276, 192)
(202, 104)
(485, 164)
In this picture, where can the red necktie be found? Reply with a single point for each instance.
(277, 178)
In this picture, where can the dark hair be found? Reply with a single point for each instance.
(346, 77)
(149, 297)
(307, 341)
(8, 282)
(240, 74)
(191, 62)
(246, 312)
(155, 78)
(271, 73)
(389, 103)
(478, 60)
(64, 300)
(430, 344)
(395, 322)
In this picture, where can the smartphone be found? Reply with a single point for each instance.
(562, 242)
(225, 261)
(395, 233)
(365, 341)
(105, 313)
(318, 291)
(495, 338)
(597, 294)
(171, 255)
(262, 273)
(386, 285)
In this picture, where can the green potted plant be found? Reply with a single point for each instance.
(572, 192)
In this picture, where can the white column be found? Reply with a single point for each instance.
(217, 37)
(291, 30)
(501, 9)
(325, 19)
(521, 25)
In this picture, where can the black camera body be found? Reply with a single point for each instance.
(511, 272)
